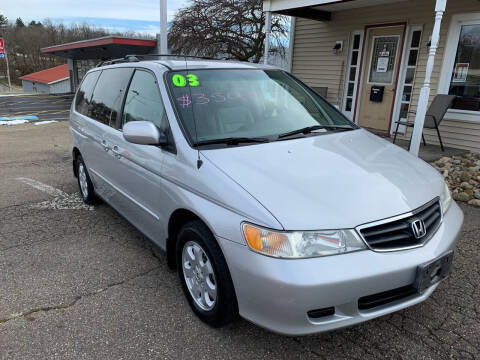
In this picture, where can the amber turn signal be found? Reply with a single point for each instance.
(253, 236)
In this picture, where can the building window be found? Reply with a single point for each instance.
(465, 75)
(350, 91)
(406, 83)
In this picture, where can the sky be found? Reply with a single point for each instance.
(141, 16)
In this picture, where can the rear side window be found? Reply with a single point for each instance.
(82, 101)
(144, 102)
(108, 95)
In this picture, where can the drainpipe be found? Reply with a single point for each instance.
(425, 91)
(268, 28)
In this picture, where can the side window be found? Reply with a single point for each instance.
(144, 102)
(108, 95)
(84, 94)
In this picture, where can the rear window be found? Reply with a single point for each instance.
(108, 95)
(82, 101)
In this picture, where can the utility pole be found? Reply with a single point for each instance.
(163, 27)
(425, 91)
(8, 72)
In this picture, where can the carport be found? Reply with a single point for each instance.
(83, 55)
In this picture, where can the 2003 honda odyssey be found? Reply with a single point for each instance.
(269, 202)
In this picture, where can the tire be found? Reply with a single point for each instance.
(85, 185)
(218, 310)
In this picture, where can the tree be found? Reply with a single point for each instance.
(33, 23)
(19, 23)
(3, 21)
(25, 44)
(230, 28)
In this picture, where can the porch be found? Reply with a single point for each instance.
(430, 152)
(373, 58)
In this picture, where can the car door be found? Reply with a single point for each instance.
(87, 131)
(104, 113)
(138, 167)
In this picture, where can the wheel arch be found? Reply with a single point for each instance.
(75, 154)
(177, 219)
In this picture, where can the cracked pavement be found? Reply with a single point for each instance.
(83, 284)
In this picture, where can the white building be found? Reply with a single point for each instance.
(55, 80)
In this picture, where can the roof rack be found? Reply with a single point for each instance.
(136, 58)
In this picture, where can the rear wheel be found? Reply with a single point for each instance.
(204, 275)
(85, 184)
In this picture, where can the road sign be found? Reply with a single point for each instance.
(3, 55)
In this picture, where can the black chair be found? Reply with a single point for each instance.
(434, 116)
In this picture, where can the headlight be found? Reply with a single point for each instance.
(445, 198)
(302, 244)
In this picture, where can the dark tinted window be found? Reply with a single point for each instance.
(143, 102)
(82, 101)
(108, 95)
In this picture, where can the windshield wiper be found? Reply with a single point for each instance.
(310, 129)
(232, 141)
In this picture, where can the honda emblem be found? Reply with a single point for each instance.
(418, 228)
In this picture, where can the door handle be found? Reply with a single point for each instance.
(116, 151)
(105, 146)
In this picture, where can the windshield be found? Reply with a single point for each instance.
(249, 104)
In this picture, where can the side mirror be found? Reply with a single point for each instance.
(144, 133)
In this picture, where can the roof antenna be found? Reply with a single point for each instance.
(199, 161)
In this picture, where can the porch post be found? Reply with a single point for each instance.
(425, 91)
(268, 28)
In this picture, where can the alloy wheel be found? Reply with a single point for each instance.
(199, 276)
(82, 177)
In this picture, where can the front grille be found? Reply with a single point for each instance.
(386, 297)
(398, 234)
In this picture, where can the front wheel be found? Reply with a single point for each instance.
(85, 184)
(204, 275)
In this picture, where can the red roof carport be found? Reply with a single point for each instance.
(104, 48)
(108, 47)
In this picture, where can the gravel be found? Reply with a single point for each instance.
(462, 174)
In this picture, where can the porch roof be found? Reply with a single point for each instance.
(318, 9)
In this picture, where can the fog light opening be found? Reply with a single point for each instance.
(320, 313)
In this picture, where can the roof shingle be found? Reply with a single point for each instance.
(48, 76)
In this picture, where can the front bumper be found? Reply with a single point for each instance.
(278, 293)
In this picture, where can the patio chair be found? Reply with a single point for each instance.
(435, 114)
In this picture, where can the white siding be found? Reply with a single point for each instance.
(61, 87)
(315, 62)
(36, 87)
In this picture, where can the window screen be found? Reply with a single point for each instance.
(82, 101)
(108, 95)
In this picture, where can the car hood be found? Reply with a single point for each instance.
(330, 181)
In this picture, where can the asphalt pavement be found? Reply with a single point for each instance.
(79, 282)
(42, 106)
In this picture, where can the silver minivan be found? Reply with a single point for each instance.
(270, 204)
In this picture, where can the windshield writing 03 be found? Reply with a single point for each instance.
(220, 104)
